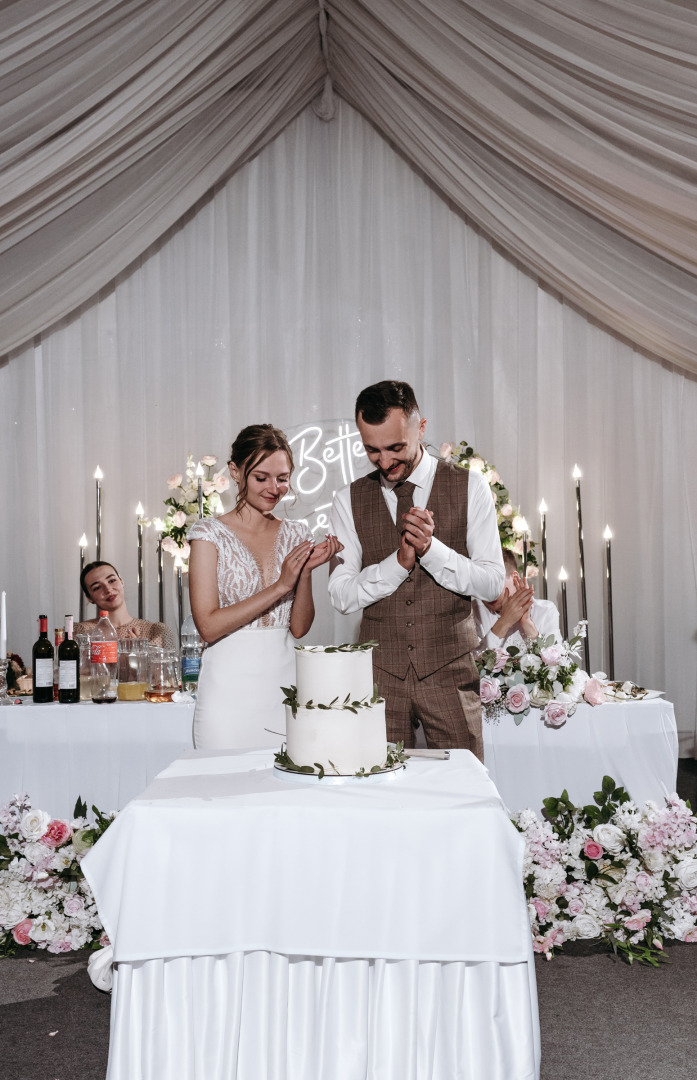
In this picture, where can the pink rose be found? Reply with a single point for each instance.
(518, 699)
(207, 488)
(576, 907)
(445, 450)
(555, 714)
(221, 482)
(209, 459)
(489, 690)
(506, 510)
(551, 655)
(532, 571)
(60, 946)
(493, 477)
(22, 932)
(542, 908)
(174, 481)
(502, 659)
(643, 881)
(104, 940)
(638, 922)
(691, 935)
(179, 519)
(592, 850)
(594, 692)
(73, 905)
(58, 832)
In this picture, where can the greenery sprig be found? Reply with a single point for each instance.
(347, 704)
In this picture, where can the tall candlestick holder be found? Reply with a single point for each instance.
(159, 526)
(199, 475)
(139, 512)
(99, 476)
(524, 526)
(179, 568)
(83, 546)
(543, 547)
(563, 576)
(577, 474)
(607, 536)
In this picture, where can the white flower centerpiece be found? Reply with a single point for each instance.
(45, 901)
(611, 872)
(182, 504)
(544, 675)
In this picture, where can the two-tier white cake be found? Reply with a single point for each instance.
(334, 717)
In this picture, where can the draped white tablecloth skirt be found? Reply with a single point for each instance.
(266, 1016)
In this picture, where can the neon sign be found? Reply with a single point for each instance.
(328, 455)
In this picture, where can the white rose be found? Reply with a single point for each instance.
(518, 524)
(585, 926)
(686, 873)
(578, 684)
(539, 698)
(655, 860)
(610, 838)
(476, 464)
(43, 929)
(530, 662)
(34, 824)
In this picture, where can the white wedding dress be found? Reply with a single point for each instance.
(239, 701)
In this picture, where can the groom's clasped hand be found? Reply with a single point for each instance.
(417, 533)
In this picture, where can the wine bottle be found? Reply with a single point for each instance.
(58, 635)
(42, 665)
(104, 657)
(68, 666)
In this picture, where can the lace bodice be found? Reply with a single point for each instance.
(239, 573)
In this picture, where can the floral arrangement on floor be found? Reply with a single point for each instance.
(45, 901)
(611, 872)
(544, 675)
(510, 520)
(182, 505)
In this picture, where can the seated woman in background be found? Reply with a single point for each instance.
(102, 585)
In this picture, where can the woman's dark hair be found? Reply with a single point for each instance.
(252, 446)
(374, 403)
(93, 566)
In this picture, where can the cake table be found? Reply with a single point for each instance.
(266, 928)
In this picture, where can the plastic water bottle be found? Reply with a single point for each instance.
(192, 649)
(104, 657)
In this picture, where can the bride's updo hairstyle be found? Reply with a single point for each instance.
(252, 446)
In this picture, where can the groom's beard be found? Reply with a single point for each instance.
(407, 466)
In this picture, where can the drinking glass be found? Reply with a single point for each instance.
(164, 675)
(133, 669)
(83, 641)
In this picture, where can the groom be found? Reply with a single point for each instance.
(420, 539)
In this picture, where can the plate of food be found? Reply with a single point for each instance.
(629, 691)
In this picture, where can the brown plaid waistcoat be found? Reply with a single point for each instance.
(421, 623)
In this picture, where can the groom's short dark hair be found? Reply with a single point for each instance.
(374, 403)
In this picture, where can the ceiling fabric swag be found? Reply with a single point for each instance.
(174, 115)
(563, 128)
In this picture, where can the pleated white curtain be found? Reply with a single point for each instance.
(323, 265)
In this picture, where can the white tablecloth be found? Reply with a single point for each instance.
(106, 754)
(366, 929)
(634, 742)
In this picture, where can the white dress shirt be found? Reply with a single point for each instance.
(352, 588)
(544, 615)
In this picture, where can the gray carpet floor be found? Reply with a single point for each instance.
(600, 1019)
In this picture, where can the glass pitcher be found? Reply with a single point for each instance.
(164, 675)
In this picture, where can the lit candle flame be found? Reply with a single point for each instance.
(563, 576)
(577, 474)
(83, 541)
(139, 510)
(98, 474)
(178, 562)
(199, 470)
(524, 526)
(159, 525)
(607, 535)
(543, 507)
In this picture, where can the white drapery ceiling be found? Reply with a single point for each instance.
(564, 129)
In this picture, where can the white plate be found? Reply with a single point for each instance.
(650, 695)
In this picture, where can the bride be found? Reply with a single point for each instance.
(250, 583)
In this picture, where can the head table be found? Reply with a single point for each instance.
(266, 925)
(107, 754)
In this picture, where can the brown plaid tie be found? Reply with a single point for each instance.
(405, 502)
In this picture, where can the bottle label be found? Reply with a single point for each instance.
(43, 673)
(104, 652)
(67, 675)
(191, 666)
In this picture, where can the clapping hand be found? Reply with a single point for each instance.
(417, 533)
(322, 553)
(294, 563)
(516, 608)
